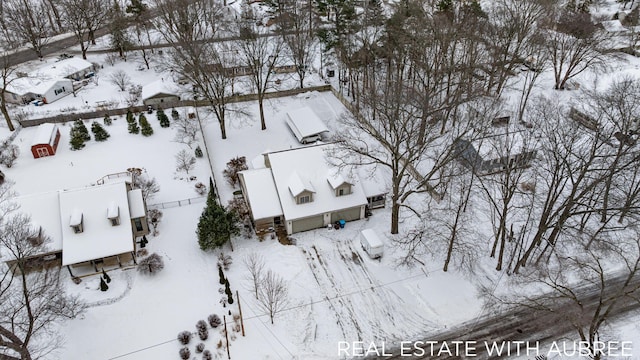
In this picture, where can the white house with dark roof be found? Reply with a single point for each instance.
(93, 227)
(302, 191)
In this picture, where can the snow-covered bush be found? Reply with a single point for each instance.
(206, 355)
(151, 264)
(203, 334)
(234, 166)
(185, 353)
(224, 261)
(199, 348)
(185, 161)
(198, 152)
(214, 320)
(8, 154)
(201, 188)
(184, 337)
(201, 325)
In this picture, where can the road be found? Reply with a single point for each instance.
(520, 325)
(62, 45)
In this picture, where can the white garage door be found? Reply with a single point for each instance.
(305, 224)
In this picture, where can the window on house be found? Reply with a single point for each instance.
(115, 221)
(340, 192)
(77, 228)
(138, 223)
(304, 199)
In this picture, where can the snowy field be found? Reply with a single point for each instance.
(72, 169)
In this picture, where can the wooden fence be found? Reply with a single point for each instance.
(61, 118)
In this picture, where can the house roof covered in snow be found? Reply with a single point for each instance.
(136, 204)
(62, 68)
(56, 211)
(613, 26)
(34, 85)
(262, 193)
(310, 163)
(46, 134)
(99, 237)
(297, 185)
(304, 122)
(159, 87)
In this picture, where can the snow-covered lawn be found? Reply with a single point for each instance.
(71, 169)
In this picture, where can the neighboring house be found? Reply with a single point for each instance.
(159, 92)
(90, 228)
(72, 68)
(50, 82)
(27, 89)
(486, 156)
(45, 142)
(300, 191)
(306, 125)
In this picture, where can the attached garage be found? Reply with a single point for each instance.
(346, 214)
(304, 224)
(45, 143)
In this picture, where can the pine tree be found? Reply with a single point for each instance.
(107, 120)
(76, 139)
(99, 133)
(198, 152)
(227, 290)
(82, 129)
(221, 275)
(133, 125)
(216, 225)
(103, 285)
(162, 118)
(106, 277)
(175, 115)
(146, 129)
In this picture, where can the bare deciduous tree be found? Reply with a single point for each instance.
(574, 44)
(186, 130)
(28, 21)
(120, 79)
(83, 18)
(273, 294)
(185, 161)
(187, 26)
(30, 301)
(261, 54)
(255, 265)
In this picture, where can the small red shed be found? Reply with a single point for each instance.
(46, 141)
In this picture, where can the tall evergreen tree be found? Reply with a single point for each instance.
(76, 139)
(99, 133)
(145, 127)
(82, 129)
(162, 118)
(227, 290)
(216, 225)
(103, 285)
(133, 125)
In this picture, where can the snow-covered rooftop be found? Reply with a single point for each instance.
(62, 68)
(335, 178)
(99, 238)
(310, 163)
(297, 185)
(614, 26)
(34, 85)
(112, 210)
(262, 193)
(45, 135)
(45, 212)
(501, 145)
(157, 87)
(136, 204)
(304, 122)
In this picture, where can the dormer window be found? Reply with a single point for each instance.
(113, 214)
(76, 221)
(304, 199)
(340, 192)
